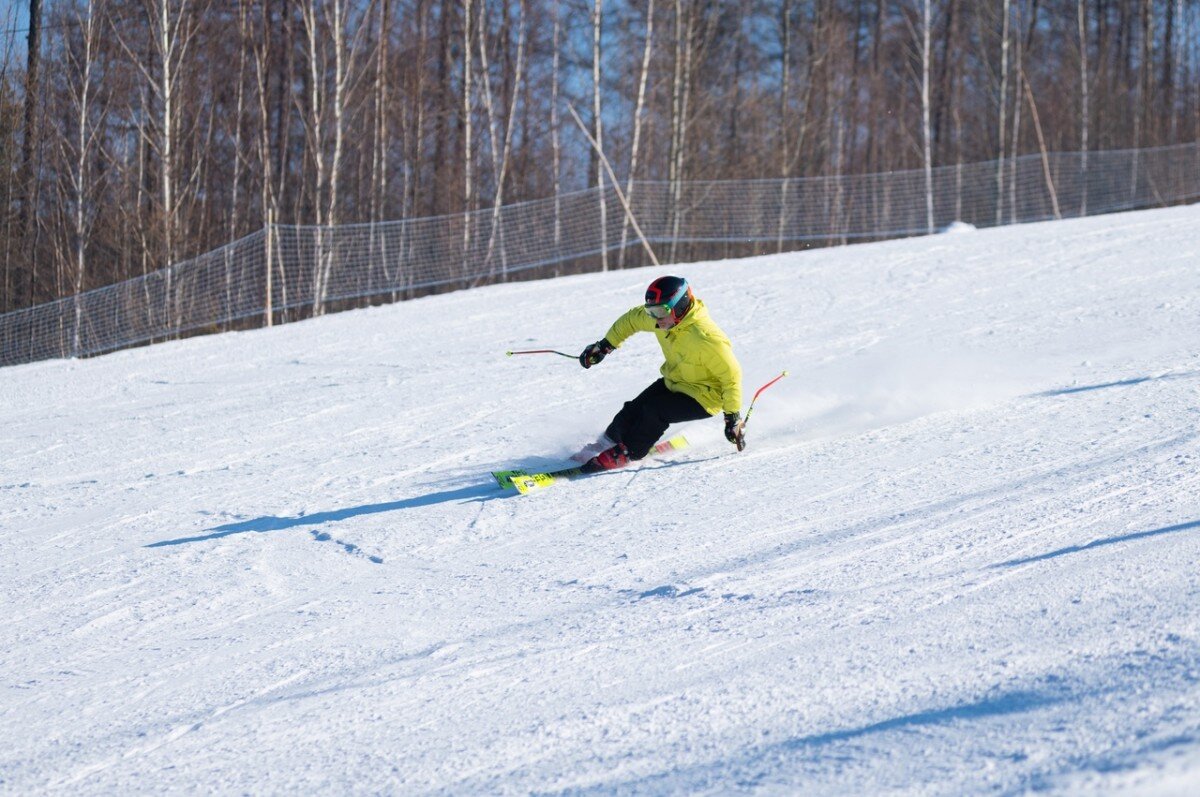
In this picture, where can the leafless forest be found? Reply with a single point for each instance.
(136, 133)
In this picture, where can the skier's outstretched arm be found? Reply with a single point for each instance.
(632, 322)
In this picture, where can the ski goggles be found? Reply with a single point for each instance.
(666, 309)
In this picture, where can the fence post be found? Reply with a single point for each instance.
(270, 262)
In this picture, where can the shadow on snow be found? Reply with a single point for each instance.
(752, 767)
(1122, 383)
(998, 706)
(272, 523)
(476, 493)
(1138, 535)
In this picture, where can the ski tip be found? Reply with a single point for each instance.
(508, 354)
(505, 477)
(785, 373)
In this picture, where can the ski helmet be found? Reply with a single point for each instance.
(669, 299)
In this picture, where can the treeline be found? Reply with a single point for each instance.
(136, 133)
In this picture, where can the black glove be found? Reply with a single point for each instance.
(734, 431)
(595, 352)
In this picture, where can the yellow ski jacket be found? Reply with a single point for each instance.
(700, 361)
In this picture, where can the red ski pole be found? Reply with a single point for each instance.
(542, 351)
(757, 393)
(740, 434)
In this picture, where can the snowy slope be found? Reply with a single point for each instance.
(959, 555)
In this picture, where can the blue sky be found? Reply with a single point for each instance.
(14, 19)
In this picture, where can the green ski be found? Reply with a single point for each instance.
(525, 482)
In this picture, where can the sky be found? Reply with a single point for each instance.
(14, 25)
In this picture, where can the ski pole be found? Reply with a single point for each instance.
(542, 351)
(746, 420)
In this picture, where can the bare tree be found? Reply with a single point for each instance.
(785, 88)
(27, 220)
(555, 143)
(790, 119)
(10, 128)
(1015, 135)
(500, 153)
(327, 24)
(316, 134)
(680, 97)
(382, 133)
(1084, 115)
(926, 56)
(171, 29)
(1003, 105)
(239, 162)
(78, 152)
(638, 111)
(1194, 71)
(173, 34)
(1041, 138)
(376, 183)
(467, 119)
(260, 39)
(598, 127)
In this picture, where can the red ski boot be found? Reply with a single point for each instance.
(611, 459)
(592, 450)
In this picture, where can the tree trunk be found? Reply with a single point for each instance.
(926, 127)
(238, 126)
(1084, 112)
(27, 178)
(680, 97)
(315, 128)
(500, 153)
(468, 155)
(379, 164)
(1015, 137)
(379, 148)
(1037, 126)
(785, 89)
(166, 93)
(1167, 81)
(639, 107)
(81, 183)
(1001, 130)
(555, 144)
(598, 130)
(269, 193)
(341, 73)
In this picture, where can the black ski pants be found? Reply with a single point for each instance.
(642, 421)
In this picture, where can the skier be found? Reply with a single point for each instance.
(700, 377)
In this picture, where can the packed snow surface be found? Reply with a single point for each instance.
(958, 556)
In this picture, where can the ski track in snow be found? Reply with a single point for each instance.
(958, 556)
